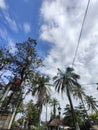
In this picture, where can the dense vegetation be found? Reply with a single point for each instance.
(22, 77)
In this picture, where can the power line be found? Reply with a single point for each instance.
(80, 84)
(81, 32)
(90, 84)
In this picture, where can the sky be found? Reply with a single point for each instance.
(56, 25)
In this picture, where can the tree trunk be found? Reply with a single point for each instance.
(39, 114)
(54, 110)
(5, 94)
(75, 123)
(14, 112)
(12, 118)
(46, 112)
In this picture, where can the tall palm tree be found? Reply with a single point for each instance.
(47, 101)
(66, 81)
(91, 103)
(41, 90)
(79, 93)
(54, 103)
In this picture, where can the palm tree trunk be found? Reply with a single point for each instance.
(39, 114)
(54, 110)
(75, 123)
(5, 94)
(46, 112)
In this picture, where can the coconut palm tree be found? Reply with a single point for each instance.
(79, 93)
(41, 90)
(46, 102)
(54, 103)
(66, 81)
(91, 103)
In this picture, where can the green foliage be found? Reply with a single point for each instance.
(54, 103)
(23, 63)
(94, 116)
(65, 82)
(68, 116)
(79, 115)
(41, 90)
(91, 103)
(78, 92)
(31, 113)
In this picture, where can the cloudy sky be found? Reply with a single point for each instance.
(55, 24)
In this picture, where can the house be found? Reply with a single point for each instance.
(55, 124)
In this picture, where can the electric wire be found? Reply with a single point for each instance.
(80, 32)
(90, 84)
(80, 84)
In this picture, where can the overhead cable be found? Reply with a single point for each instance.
(86, 10)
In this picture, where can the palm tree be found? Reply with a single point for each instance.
(79, 93)
(46, 102)
(54, 102)
(68, 117)
(66, 81)
(91, 103)
(42, 90)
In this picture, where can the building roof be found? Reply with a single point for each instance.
(55, 122)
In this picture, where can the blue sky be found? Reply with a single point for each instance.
(55, 24)
(20, 20)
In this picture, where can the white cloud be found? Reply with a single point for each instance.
(3, 4)
(11, 45)
(26, 27)
(59, 29)
(61, 24)
(11, 22)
